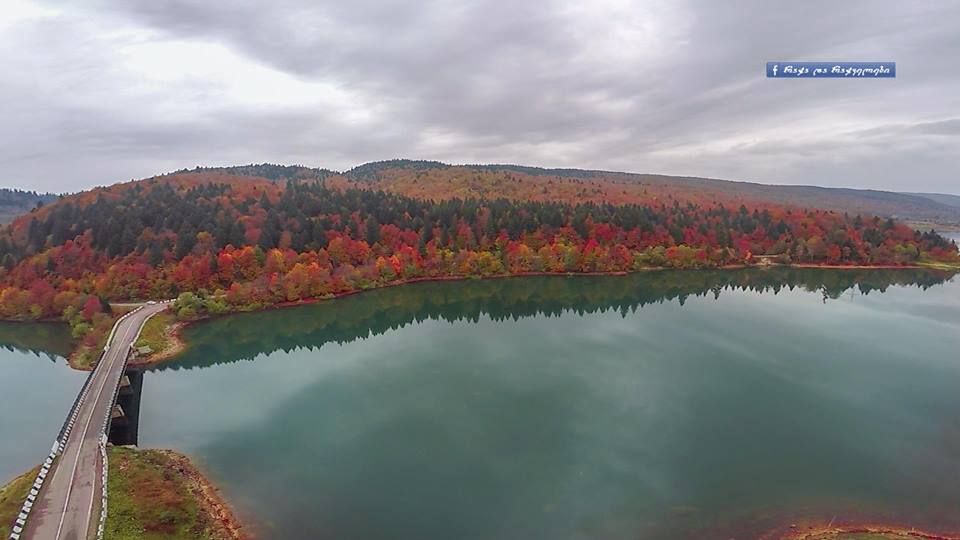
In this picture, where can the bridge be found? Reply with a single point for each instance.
(68, 499)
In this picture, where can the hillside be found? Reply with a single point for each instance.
(265, 171)
(14, 202)
(438, 180)
(941, 198)
(235, 240)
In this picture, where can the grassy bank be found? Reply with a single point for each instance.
(93, 338)
(161, 334)
(159, 495)
(154, 495)
(11, 499)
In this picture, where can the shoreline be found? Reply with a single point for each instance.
(127, 304)
(178, 345)
(834, 532)
(12, 495)
(168, 474)
(208, 496)
(175, 345)
(220, 521)
(190, 505)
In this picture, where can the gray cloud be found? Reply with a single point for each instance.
(950, 127)
(106, 91)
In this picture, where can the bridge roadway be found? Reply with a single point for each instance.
(68, 507)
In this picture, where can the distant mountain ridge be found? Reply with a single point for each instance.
(14, 202)
(269, 171)
(413, 178)
(917, 208)
(942, 198)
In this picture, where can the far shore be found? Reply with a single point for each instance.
(178, 345)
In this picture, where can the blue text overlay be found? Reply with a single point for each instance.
(832, 70)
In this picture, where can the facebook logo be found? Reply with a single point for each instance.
(831, 70)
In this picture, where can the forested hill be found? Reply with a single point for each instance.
(268, 171)
(239, 241)
(942, 198)
(14, 202)
(438, 180)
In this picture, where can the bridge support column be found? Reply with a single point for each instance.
(125, 424)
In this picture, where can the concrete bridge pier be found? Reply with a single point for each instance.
(125, 418)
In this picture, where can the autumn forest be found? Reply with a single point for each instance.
(244, 238)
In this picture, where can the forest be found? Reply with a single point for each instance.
(239, 240)
(435, 180)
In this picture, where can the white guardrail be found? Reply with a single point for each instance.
(103, 434)
(60, 442)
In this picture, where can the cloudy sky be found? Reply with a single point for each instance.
(96, 92)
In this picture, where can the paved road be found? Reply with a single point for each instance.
(69, 505)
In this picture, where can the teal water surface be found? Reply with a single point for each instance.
(37, 389)
(658, 405)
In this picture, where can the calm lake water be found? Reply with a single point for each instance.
(662, 405)
(37, 389)
(658, 405)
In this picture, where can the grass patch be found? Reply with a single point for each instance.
(150, 499)
(85, 358)
(89, 349)
(12, 496)
(161, 337)
(155, 332)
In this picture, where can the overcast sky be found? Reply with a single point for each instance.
(95, 92)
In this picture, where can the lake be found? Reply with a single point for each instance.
(37, 389)
(656, 405)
